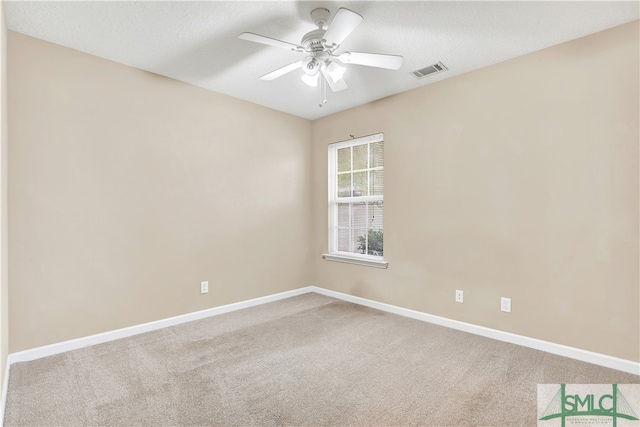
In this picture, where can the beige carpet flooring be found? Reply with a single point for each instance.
(307, 360)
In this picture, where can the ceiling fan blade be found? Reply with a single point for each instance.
(335, 86)
(281, 71)
(391, 62)
(343, 23)
(271, 42)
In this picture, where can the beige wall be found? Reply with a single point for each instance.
(126, 189)
(517, 180)
(4, 300)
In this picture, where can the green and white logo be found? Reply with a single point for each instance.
(593, 405)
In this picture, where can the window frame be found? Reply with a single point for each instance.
(333, 201)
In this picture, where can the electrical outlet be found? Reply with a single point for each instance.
(459, 296)
(204, 287)
(505, 304)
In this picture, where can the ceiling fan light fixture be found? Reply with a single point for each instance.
(335, 71)
(310, 65)
(310, 80)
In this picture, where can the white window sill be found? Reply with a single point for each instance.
(367, 262)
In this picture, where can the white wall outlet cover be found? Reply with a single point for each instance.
(204, 287)
(505, 304)
(459, 296)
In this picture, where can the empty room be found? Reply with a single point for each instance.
(361, 213)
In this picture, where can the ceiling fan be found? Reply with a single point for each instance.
(321, 49)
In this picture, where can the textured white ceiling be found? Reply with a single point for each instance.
(197, 42)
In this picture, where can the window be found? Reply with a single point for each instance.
(356, 201)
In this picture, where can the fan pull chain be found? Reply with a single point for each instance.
(323, 90)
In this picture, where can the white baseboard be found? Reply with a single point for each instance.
(61, 347)
(549, 347)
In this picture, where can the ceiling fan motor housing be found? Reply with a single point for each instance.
(312, 41)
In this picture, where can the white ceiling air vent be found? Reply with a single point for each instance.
(431, 69)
